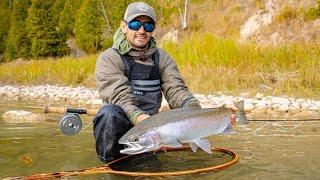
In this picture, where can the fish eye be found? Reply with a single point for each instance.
(135, 139)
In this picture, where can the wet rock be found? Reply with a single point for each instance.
(82, 97)
(259, 96)
(245, 95)
(261, 104)
(248, 107)
(21, 116)
(283, 108)
(258, 112)
(293, 110)
(280, 100)
(308, 114)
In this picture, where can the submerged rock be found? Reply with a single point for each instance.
(20, 116)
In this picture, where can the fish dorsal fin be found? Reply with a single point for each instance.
(193, 146)
(204, 145)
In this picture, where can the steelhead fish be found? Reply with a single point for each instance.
(172, 128)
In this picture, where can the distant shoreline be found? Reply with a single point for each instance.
(260, 106)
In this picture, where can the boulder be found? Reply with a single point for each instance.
(21, 116)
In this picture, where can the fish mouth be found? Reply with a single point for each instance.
(135, 148)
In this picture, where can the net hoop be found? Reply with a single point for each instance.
(235, 158)
(106, 168)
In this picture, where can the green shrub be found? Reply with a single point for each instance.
(286, 14)
(312, 13)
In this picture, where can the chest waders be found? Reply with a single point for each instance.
(111, 122)
(145, 83)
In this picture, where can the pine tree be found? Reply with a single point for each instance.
(68, 16)
(45, 39)
(56, 10)
(18, 44)
(88, 26)
(5, 10)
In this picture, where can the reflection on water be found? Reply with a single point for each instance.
(268, 150)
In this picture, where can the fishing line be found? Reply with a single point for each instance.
(285, 120)
(87, 125)
(298, 125)
(258, 129)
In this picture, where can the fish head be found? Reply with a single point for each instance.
(140, 143)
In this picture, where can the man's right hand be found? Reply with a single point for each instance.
(141, 117)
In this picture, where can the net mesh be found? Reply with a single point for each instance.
(171, 161)
(174, 162)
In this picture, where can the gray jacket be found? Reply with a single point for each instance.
(114, 86)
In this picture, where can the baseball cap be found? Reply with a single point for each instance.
(138, 9)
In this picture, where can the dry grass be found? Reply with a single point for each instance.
(64, 71)
(210, 65)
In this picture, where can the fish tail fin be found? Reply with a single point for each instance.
(241, 114)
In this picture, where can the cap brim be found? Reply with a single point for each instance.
(130, 18)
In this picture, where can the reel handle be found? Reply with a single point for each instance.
(76, 111)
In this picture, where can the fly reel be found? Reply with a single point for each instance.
(70, 123)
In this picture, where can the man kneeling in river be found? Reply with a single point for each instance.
(131, 76)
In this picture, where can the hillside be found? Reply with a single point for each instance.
(33, 29)
(265, 22)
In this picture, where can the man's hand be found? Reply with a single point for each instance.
(141, 117)
(234, 109)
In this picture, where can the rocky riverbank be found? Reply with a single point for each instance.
(257, 107)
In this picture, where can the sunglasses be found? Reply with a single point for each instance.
(136, 25)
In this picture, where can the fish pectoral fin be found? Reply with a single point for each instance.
(204, 145)
(174, 144)
(193, 146)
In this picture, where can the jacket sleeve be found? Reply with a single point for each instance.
(173, 85)
(113, 85)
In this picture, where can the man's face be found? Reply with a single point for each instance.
(138, 38)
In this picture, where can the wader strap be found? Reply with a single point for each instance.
(128, 64)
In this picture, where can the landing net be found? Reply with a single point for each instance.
(173, 162)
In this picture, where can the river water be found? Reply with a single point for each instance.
(267, 150)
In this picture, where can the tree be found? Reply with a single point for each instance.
(68, 15)
(5, 10)
(45, 39)
(56, 10)
(183, 18)
(18, 44)
(88, 26)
